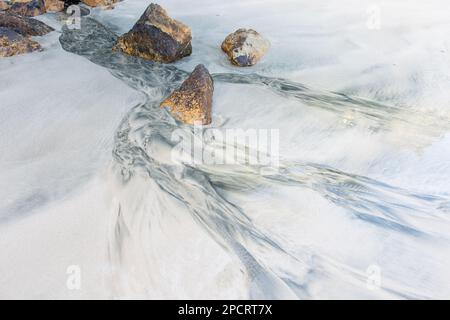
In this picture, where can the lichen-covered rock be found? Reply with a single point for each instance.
(4, 5)
(245, 47)
(13, 43)
(29, 9)
(99, 3)
(192, 102)
(54, 5)
(23, 25)
(156, 36)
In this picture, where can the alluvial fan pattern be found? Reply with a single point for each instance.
(271, 265)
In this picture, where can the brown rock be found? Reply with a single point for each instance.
(245, 47)
(23, 25)
(29, 9)
(192, 102)
(4, 5)
(13, 43)
(99, 3)
(54, 5)
(156, 36)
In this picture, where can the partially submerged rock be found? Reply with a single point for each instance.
(156, 36)
(29, 9)
(192, 102)
(4, 5)
(13, 43)
(54, 5)
(23, 25)
(245, 47)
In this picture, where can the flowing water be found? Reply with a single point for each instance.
(347, 196)
(302, 229)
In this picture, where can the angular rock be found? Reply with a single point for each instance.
(29, 9)
(245, 47)
(192, 102)
(156, 36)
(54, 5)
(13, 43)
(4, 5)
(23, 25)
